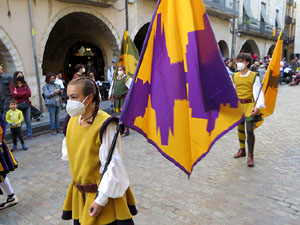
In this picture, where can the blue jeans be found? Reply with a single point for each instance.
(281, 77)
(54, 116)
(27, 118)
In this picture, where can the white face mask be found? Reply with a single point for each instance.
(83, 70)
(75, 108)
(240, 66)
(120, 73)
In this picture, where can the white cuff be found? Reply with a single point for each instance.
(101, 199)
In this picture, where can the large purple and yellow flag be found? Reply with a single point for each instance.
(181, 99)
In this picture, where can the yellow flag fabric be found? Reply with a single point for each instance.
(129, 55)
(271, 80)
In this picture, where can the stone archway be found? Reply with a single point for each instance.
(9, 56)
(79, 27)
(251, 47)
(140, 37)
(223, 49)
(95, 17)
(271, 50)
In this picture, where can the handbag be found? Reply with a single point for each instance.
(23, 106)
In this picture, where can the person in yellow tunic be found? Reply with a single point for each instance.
(89, 134)
(7, 163)
(248, 87)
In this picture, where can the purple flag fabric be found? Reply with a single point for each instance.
(182, 99)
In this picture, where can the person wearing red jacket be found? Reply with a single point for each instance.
(21, 92)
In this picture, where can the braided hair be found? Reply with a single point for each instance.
(89, 87)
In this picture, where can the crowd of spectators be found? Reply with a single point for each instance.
(16, 89)
(54, 89)
(289, 72)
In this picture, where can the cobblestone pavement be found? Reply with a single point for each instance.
(221, 190)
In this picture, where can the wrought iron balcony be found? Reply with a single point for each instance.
(290, 2)
(289, 20)
(102, 3)
(256, 29)
(225, 9)
(286, 36)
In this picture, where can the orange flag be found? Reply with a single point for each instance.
(271, 79)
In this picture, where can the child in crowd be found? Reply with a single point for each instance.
(14, 118)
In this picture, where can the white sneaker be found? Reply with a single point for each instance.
(9, 202)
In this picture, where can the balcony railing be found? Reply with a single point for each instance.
(226, 9)
(102, 3)
(256, 28)
(290, 2)
(286, 36)
(289, 20)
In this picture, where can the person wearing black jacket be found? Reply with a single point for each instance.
(5, 95)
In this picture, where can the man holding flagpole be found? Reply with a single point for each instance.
(248, 88)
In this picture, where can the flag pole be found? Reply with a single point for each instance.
(126, 10)
(109, 157)
(113, 144)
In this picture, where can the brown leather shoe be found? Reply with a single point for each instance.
(241, 153)
(250, 161)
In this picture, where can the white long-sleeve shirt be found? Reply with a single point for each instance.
(110, 74)
(59, 83)
(256, 89)
(115, 181)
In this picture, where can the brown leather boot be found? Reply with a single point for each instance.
(250, 161)
(241, 153)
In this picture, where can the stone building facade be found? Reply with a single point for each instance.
(297, 27)
(66, 32)
(289, 35)
(256, 23)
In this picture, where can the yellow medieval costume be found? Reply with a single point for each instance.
(248, 89)
(85, 146)
(244, 89)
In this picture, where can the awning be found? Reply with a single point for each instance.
(264, 14)
(248, 9)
